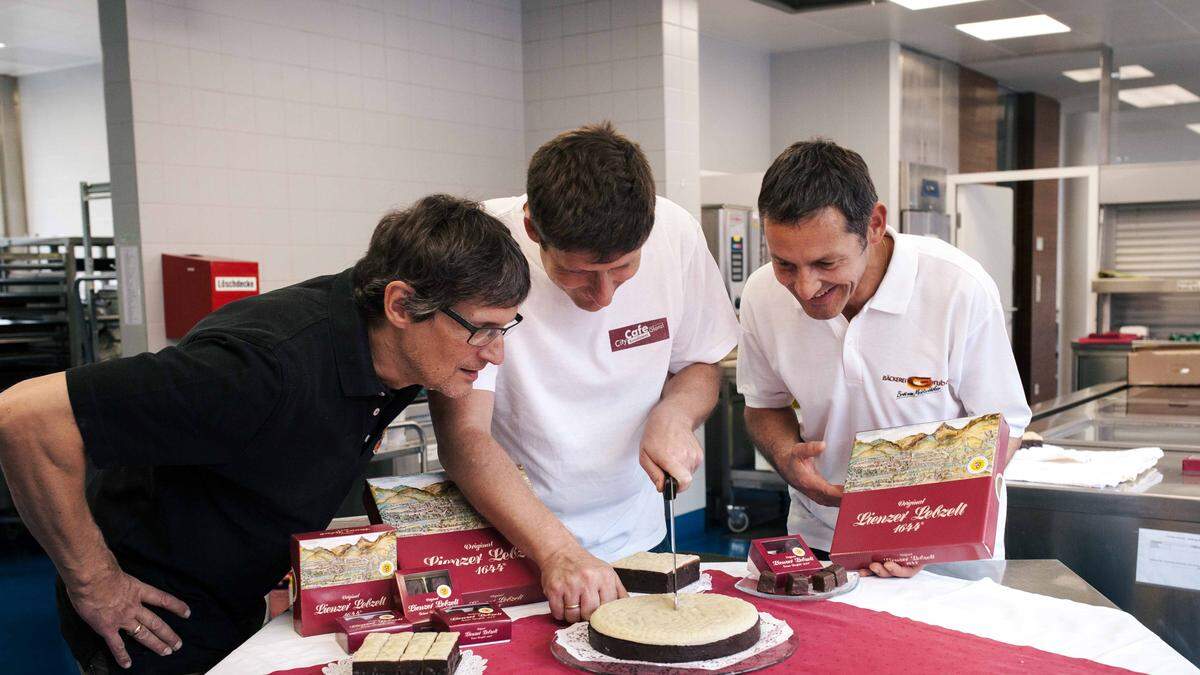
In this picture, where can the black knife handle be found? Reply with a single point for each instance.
(670, 488)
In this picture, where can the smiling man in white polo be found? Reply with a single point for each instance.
(864, 328)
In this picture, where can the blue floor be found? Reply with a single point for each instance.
(29, 636)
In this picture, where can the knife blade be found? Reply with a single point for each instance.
(670, 487)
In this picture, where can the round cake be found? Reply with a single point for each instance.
(649, 628)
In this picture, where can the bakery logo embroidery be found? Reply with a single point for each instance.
(916, 385)
(638, 334)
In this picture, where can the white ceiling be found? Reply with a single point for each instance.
(45, 35)
(1163, 35)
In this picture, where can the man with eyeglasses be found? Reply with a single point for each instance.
(255, 426)
(601, 393)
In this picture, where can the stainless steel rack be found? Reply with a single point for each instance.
(53, 312)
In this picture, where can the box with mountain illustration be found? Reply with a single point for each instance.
(922, 493)
(438, 529)
(340, 572)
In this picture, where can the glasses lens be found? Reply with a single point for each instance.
(484, 336)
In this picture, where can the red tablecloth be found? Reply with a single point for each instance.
(835, 638)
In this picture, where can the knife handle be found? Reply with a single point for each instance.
(670, 488)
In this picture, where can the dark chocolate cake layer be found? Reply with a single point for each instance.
(637, 651)
(642, 581)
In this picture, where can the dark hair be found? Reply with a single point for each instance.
(591, 189)
(812, 175)
(449, 250)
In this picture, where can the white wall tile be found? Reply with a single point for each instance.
(599, 47)
(279, 130)
(269, 117)
(374, 61)
(207, 70)
(574, 19)
(204, 31)
(650, 71)
(600, 78)
(268, 79)
(208, 108)
(174, 64)
(144, 99)
(175, 104)
(143, 61)
(239, 75)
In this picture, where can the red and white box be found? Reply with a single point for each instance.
(1191, 465)
(448, 554)
(923, 493)
(195, 286)
(354, 628)
(783, 555)
(340, 572)
(476, 624)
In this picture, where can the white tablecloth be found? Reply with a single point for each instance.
(983, 608)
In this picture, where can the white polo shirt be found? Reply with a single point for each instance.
(936, 314)
(576, 387)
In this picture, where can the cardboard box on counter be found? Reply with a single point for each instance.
(923, 493)
(447, 554)
(340, 572)
(1165, 365)
(475, 624)
(783, 555)
(354, 628)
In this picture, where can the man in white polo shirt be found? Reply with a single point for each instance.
(625, 321)
(847, 315)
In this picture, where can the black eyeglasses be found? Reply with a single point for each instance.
(481, 335)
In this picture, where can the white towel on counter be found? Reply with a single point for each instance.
(1081, 468)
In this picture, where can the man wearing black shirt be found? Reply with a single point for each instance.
(256, 426)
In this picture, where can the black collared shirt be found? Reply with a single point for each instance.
(213, 453)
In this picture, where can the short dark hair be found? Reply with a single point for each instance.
(812, 175)
(591, 189)
(449, 250)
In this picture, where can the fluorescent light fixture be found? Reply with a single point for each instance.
(1156, 97)
(1093, 74)
(2, 45)
(1194, 127)
(929, 4)
(1021, 26)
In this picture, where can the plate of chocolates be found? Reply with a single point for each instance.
(831, 581)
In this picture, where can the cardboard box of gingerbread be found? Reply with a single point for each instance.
(447, 554)
(923, 493)
(785, 566)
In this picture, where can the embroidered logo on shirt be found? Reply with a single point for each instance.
(638, 334)
(917, 384)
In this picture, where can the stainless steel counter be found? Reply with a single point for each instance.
(1044, 577)
(1095, 531)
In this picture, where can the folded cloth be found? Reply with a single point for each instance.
(1082, 468)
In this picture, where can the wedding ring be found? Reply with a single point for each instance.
(136, 630)
(570, 606)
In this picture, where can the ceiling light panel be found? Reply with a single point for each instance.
(1194, 127)
(1157, 97)
(1021, 26)
(1093, 74)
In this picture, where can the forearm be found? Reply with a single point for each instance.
(494, 486)
(774, 431)
(41, 453)
(690, 394)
